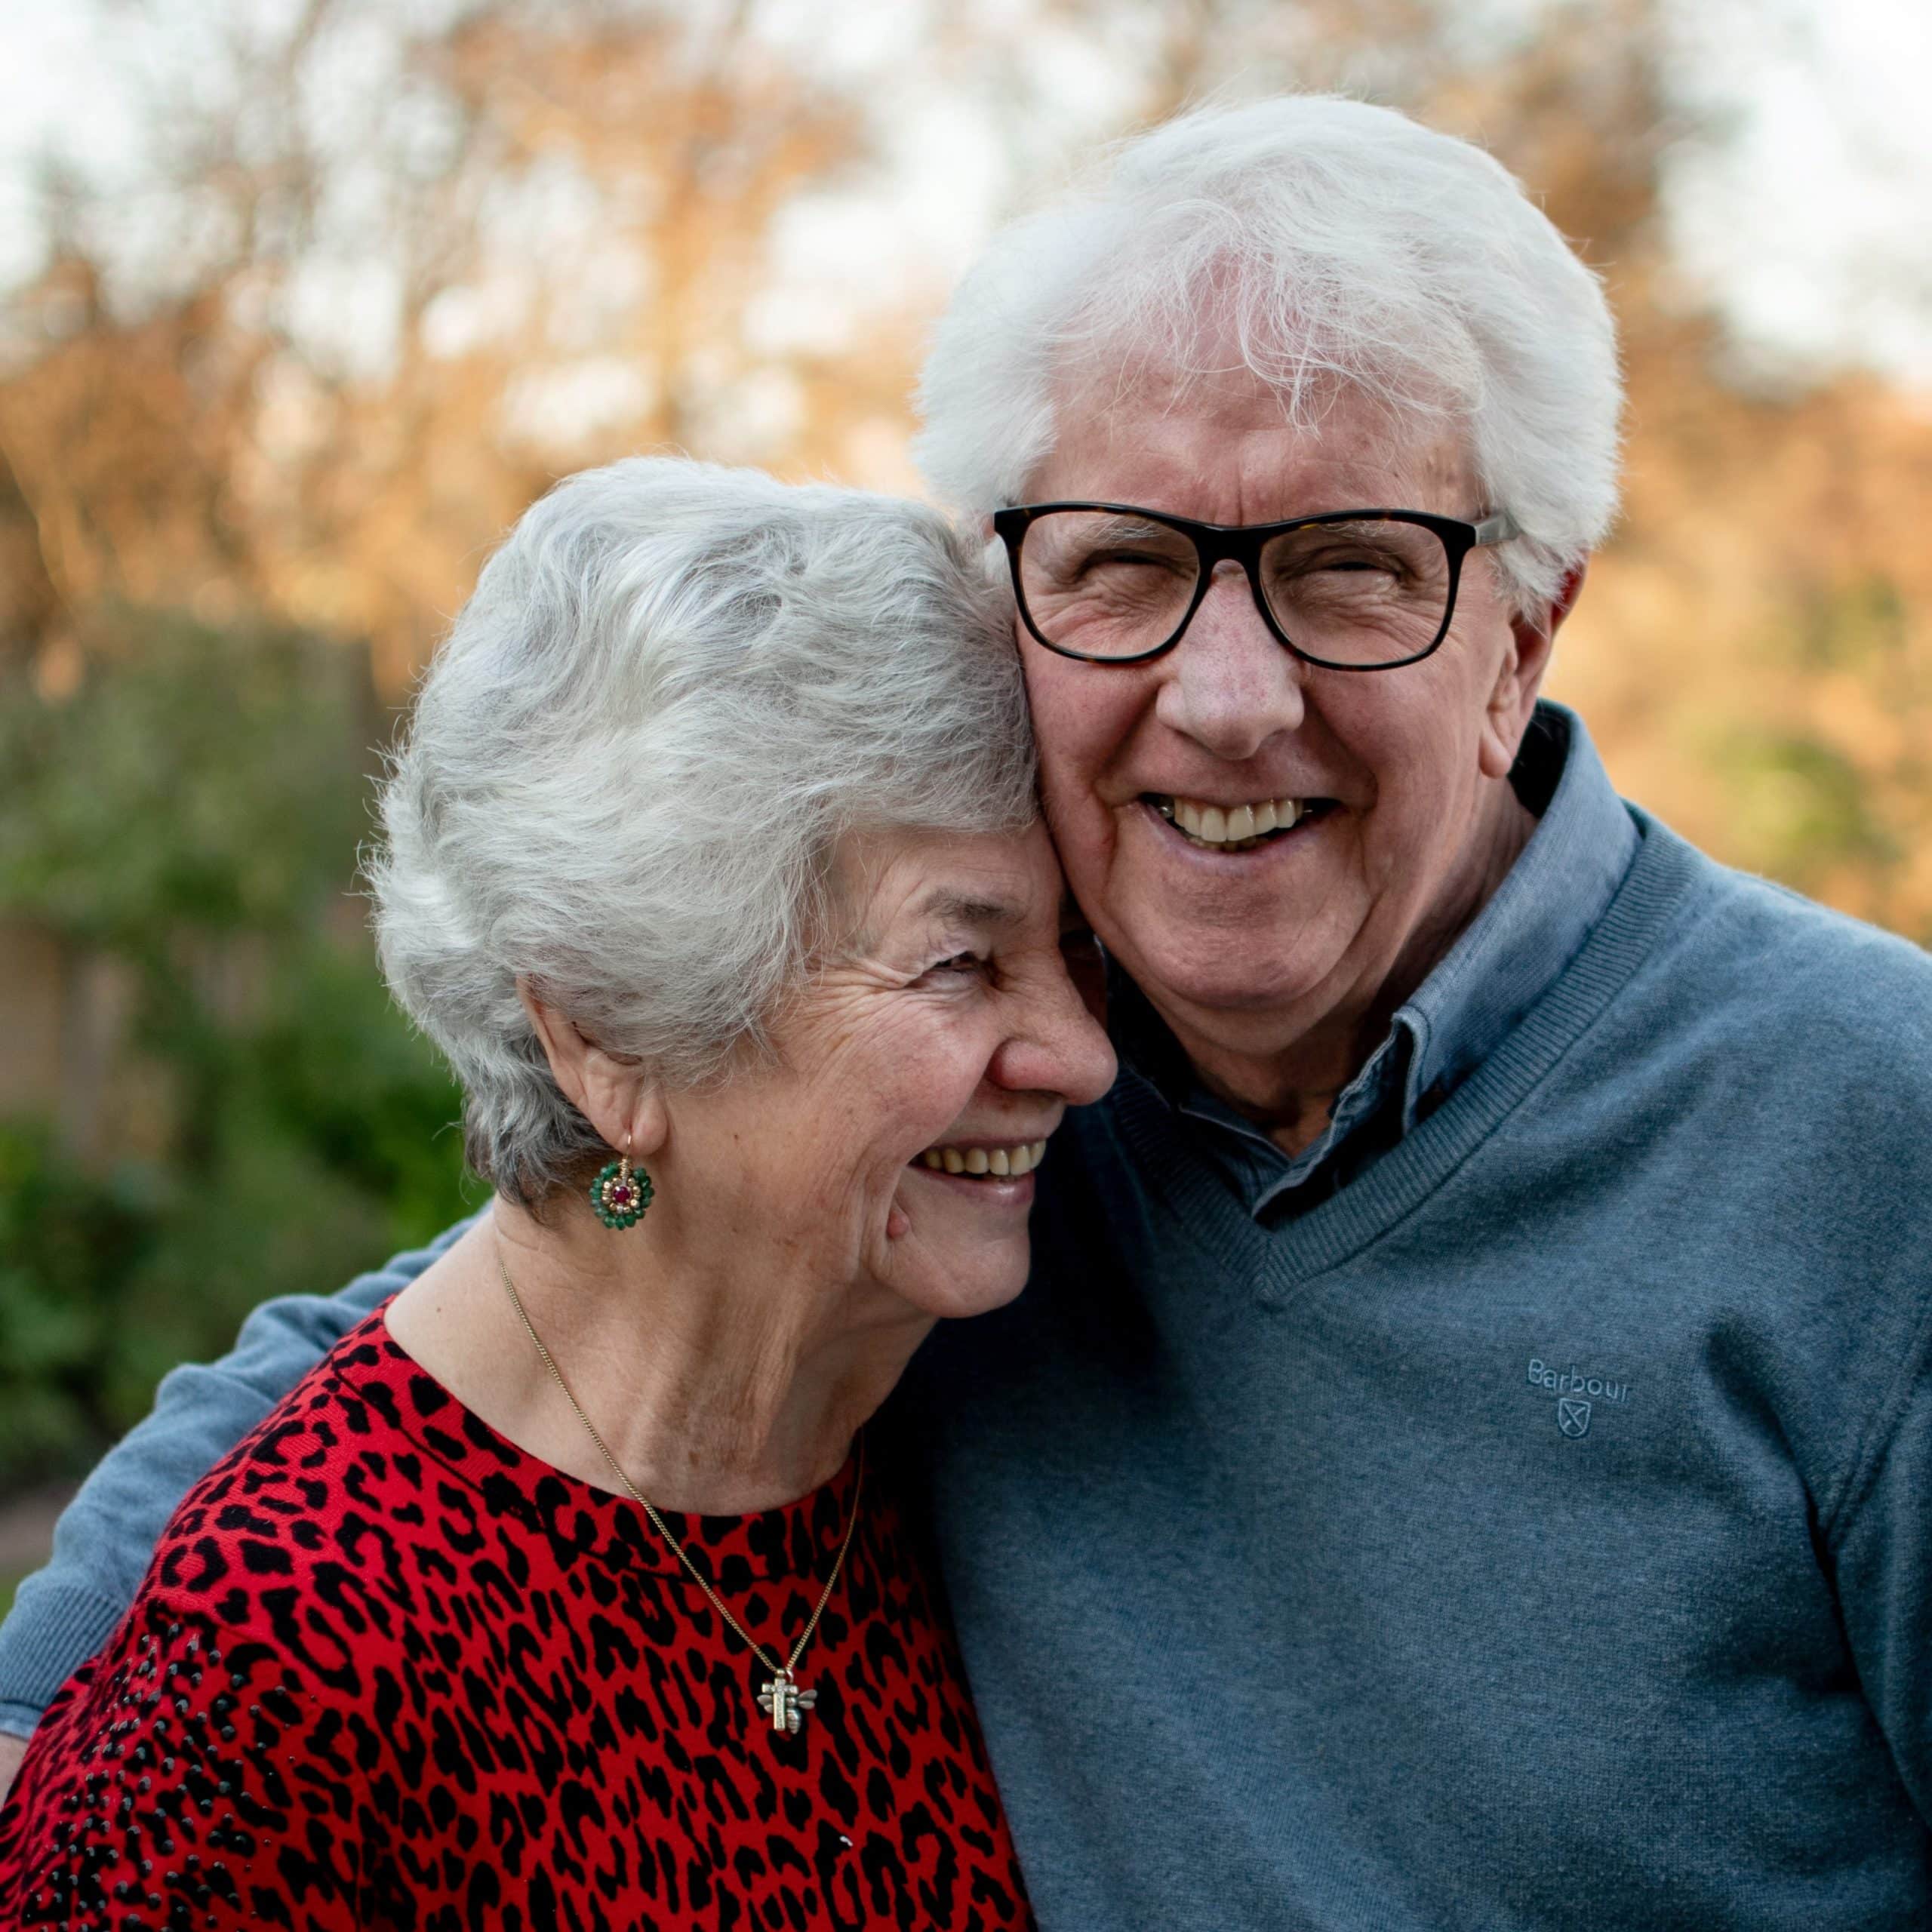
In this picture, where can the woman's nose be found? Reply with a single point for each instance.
(1062, 1050)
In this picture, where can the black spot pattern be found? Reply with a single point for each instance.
(388, 1671)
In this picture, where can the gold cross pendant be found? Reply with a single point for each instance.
(785, 1702)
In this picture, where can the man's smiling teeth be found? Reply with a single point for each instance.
(991, 1161)
(1238, 826)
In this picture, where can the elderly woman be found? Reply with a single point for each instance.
(561, 1593)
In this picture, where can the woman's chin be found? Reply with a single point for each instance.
(964, 1249)
(963, 1296)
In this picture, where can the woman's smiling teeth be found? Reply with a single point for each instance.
(995, 1163)
(1231, 827)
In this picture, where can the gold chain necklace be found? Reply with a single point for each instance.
(781, 1699)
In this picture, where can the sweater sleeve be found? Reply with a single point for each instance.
(64, 1613)
(1880, 1537)
(175, 1782)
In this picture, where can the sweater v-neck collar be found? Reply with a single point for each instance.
(1168, 1157)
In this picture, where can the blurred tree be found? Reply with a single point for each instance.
(385, 283)
(187, 818)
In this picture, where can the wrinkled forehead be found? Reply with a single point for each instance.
(1208, 391)
(891, 883)
(1220, 441)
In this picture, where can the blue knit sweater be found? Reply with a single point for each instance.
(1538, 1532)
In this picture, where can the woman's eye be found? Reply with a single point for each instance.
(960, 962)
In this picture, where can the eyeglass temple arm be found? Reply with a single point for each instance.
(1497, 529)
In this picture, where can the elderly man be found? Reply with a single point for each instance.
(1463, 1459)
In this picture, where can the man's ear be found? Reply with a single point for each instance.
(1532, 640)
(614, 1091)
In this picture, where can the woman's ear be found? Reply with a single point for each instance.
(614, 1091)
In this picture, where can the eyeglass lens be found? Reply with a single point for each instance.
(1106, 585)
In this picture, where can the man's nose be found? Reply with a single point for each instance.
(1230, 684)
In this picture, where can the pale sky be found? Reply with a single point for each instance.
(1814, 230)
(1817, 227)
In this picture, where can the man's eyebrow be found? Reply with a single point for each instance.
(962, 908)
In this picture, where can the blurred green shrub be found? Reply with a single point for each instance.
(1805, 809)
(1826, 780)
(193, 811)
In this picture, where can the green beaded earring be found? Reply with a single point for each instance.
(620, 1193)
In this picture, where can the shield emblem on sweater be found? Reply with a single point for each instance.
(1573, 1417)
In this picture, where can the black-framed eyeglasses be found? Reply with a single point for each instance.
(1350, 590)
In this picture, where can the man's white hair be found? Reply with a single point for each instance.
(675, 690)
(1338, 244)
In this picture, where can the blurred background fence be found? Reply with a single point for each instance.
(306, 300)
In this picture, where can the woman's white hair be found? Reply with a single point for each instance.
(675, 690)
(1338, 243)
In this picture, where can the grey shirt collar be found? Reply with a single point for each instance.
(1533, 926)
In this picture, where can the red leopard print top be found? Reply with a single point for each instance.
(387, 1670)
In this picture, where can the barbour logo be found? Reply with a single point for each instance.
(1572, 1381)
(1578, 1393)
